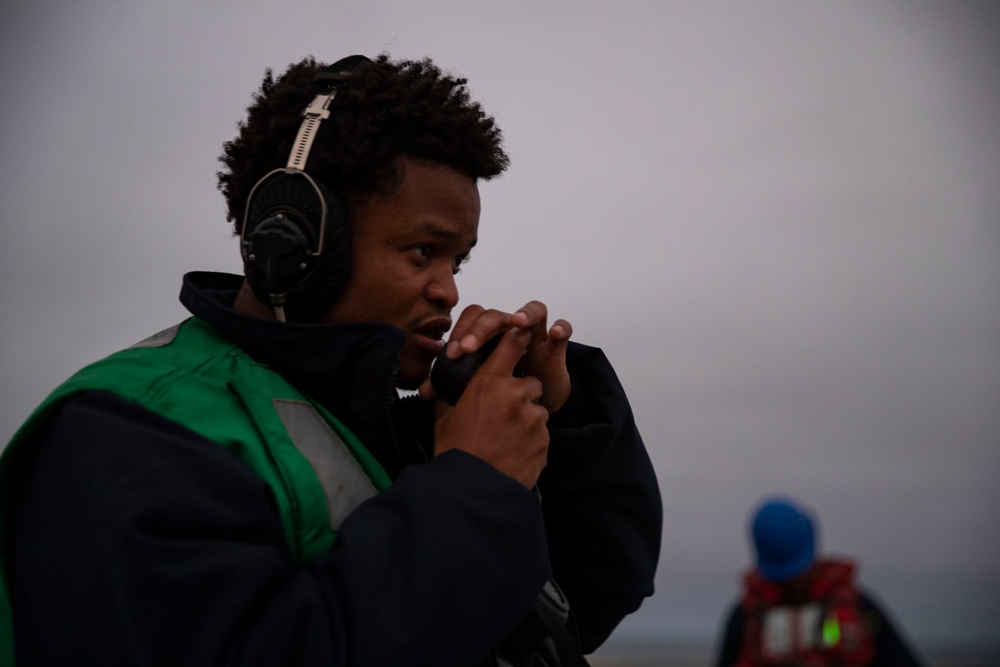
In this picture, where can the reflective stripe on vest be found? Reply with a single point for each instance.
(344, 482)
(159, 339)
(790, 630)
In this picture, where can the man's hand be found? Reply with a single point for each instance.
(545, 357)
(501, 418)
(498, 417)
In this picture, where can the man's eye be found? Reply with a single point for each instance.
(424, 251)
(457, 263)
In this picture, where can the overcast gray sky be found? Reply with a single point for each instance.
(780, 220)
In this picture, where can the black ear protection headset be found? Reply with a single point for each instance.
(296, 241)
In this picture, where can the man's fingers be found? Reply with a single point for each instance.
(476, 330)
(477, 325)
(561, 331)
(508, 352)
(533, 389)
(465, 320)
(532, 316)
(441, 408)
(426, 391)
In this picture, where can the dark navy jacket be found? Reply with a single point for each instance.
(135, 541)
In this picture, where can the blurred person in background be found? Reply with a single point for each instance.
(799, 609)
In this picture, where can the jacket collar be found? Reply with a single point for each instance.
(350, 369)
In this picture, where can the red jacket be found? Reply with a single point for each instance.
(822, 630)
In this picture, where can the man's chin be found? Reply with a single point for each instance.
(412, 378)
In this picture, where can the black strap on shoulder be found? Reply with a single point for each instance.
(543, 638)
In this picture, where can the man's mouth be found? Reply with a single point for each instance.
(430, 335)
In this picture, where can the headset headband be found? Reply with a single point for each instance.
(314, 114)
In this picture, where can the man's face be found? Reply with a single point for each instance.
(405, 252)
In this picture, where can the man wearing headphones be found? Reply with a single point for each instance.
(248, 487)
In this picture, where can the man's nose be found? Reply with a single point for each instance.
(443, 289)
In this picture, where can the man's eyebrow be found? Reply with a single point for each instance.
(442, 234)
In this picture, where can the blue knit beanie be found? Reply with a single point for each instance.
(783, 539)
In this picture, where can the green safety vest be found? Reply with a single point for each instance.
(317, 468)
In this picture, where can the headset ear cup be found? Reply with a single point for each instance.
(285, 215)
(333, 264)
